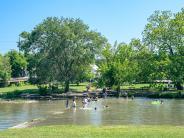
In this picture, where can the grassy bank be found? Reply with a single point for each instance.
(73, 87)
(96, 132)
(14, 92)
(18, 88)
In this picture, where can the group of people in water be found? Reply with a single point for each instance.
(73, 103)
(85, 102)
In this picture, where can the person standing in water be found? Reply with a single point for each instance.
(74, 103)
(85, 101)
(104, 92)
(67, 103)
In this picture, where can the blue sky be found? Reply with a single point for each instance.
(119, 20)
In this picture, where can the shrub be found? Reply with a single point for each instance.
(43, 89)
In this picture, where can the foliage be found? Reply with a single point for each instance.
(62, 50)
(31, 67)
(5, 70)
(85, 74)
(119, 65)
(164, 35)
(18, 63)
(63, 47)
(167, 95)
(144, 59)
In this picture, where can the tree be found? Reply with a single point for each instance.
(164, 35)
(85, 74)
(63, 47)
(144, 58)
(119, 65)
(5, 69)
(18, 63)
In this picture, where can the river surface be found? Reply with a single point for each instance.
(120, 111)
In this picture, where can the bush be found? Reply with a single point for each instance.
(167, 95)
(54, 88)
(155, 95)
(3, 84)
(43, 90)
(11, 95)
(20, 84)
(33, 80)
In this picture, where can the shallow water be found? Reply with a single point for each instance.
(120, 112)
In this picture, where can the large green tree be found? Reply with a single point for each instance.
(164, 34)
(62, 47)
(18, 63)
(144, 58)
(118, 65)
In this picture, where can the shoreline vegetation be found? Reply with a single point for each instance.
(71, 131)
(36, 93)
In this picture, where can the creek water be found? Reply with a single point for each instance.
(120, 111)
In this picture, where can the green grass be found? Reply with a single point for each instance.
(66, 131)
(17, 88)
(80, 88)
(73, 87)
(135, 86)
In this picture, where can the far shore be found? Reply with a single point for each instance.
(31, 92)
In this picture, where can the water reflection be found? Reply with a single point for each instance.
(119, 112)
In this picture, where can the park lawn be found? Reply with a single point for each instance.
(81, 87)
(135, 86)
(67, 131)
(18, 88)
(73, 87)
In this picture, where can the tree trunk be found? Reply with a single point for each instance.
(179, 86)
(118, 91)
(66, 86)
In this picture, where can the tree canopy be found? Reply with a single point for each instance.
(164, 35)
(5, 69)
(119, 65)
(62, 50)
(18, 63)
(62, 46)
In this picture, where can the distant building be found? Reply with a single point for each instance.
(15, 80)
(163, 81)
(94, 68)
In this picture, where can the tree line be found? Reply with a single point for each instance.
(62, 50)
